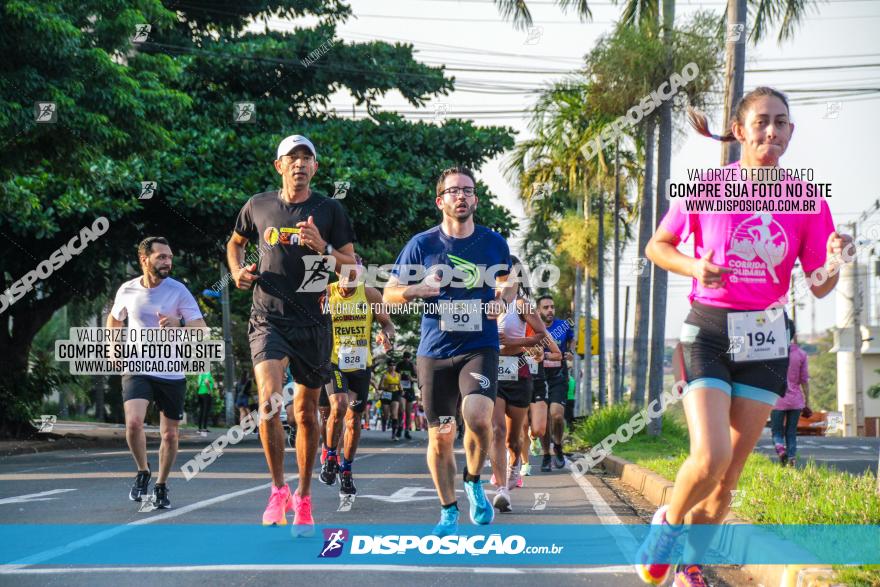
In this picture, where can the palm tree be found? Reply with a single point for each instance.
(553, 158)
(518, 11)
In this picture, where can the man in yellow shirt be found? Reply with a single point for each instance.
(352, 307)
(391, 383)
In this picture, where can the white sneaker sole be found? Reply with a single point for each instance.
(501, 503)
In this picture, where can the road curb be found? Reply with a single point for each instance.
(658, 490)
(83, 440)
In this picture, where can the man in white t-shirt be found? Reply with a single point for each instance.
(153, 300)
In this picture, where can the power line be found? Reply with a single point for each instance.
(558, 22)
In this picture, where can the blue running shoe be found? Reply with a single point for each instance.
(448, 525)
(482, 511)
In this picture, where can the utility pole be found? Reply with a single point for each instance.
(623, 342)
(857, 342)
(734, 71)
(228, 359)
(588, 325)
(615, 366)
(577, 320)
(850, 398)
(600, 288)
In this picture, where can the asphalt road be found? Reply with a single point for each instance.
(853, 455)
(91, 487)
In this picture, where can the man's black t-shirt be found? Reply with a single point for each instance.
(270, 222)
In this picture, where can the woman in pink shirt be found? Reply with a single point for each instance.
(734, 346)
(787, 411)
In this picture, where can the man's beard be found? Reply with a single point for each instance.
(159, 273)
(461, 216)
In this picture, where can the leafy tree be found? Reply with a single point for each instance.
(823, 376)
(163, 111)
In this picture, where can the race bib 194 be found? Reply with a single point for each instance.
(754, 337)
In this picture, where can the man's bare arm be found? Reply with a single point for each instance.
(397, 294)
(243, 276)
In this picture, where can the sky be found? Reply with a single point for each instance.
(835, 47)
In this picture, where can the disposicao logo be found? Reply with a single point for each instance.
(334, 541)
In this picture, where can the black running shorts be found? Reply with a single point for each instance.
(539, 390)
(169, 394)
(516, 393)
(306, 347)
(444, 381)
(356, 382)
(703, 360)
(557, 390)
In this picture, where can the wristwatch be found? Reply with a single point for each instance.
(328, 249)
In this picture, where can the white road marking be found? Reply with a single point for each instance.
(598, 570)
(34, 496)
(407, 494)
(606, 515)
(40, 557)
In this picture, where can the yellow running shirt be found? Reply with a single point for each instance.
(352, 320)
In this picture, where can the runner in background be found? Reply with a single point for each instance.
(514, 389)
(734, 346)
(352, 306)
(391, 385)
(569, 404)
(556, 371)
(153, 300)
(206, 388)
(787, 411)
(408, 379)
(535, 426)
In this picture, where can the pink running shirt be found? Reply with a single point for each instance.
(760, 248)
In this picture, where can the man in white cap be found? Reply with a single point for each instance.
(298, 231)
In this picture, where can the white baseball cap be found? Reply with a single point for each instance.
(292, 142)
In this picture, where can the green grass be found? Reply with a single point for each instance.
(861, 576)
(770, 494)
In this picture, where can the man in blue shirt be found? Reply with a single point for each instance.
(556, 371)
(460, 270)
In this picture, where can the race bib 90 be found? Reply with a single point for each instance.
(461, 316)
(754, 337)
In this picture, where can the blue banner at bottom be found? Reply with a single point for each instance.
(184, 544)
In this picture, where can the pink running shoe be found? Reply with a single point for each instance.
(280, 502)
(514, 479)
(303, 523)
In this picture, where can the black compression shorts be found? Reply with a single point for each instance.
(703, 359)
(444, 381)
(355, 382)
